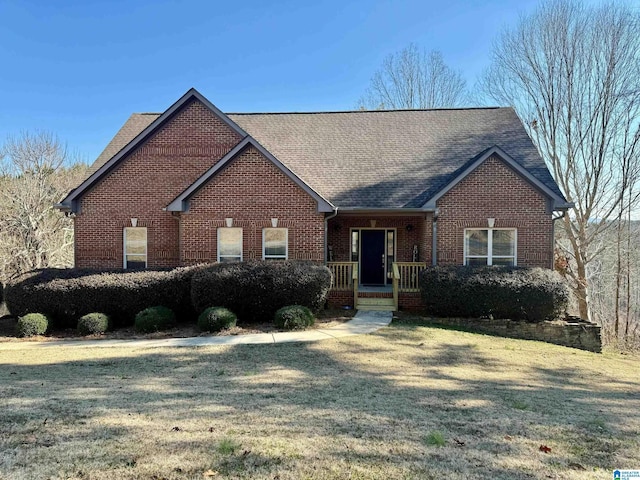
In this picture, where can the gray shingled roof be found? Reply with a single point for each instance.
(378, 159)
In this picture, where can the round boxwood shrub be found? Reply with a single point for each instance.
(155, 318)
(294, 317)
(256, 290)
(214, 319)
(32, 324)
(92, 323)
(65, 295)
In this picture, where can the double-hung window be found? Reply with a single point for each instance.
(275, 243)
(135, 248)
(490, 246)
(229, 244)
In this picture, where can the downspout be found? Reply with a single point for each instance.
(326, 231)
(434, 238)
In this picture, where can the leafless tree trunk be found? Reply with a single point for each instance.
(573, 74)
(414, 78)
(34, 175)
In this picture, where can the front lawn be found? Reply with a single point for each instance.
(408, 402)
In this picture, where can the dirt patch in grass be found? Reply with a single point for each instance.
(325, 319)
(411, 401)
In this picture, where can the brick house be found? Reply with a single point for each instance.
(376, 195)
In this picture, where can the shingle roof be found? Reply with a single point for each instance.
(377, 159)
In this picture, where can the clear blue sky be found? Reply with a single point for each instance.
(80, 68)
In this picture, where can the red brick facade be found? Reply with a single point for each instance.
(251, 190)
(494, 190)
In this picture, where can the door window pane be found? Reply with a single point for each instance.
(354, 245)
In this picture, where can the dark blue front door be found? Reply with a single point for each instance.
(372, 261)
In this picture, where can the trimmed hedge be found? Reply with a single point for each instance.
(516, 293)
(68, 294)
(214, 319)
(256, 290)
(153, 319)
(294, 317)
(32, 324)
(92, 323)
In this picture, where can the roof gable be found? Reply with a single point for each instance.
(180, 203)
(375, 160)
(559, 203)
(148, 129)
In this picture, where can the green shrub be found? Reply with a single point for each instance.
(68, 294)
(531, 294)
(294, 317)
(214, 319)
(155, 318)
(32, 324)
(255, 290)
(93, 323)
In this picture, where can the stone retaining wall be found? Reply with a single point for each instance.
(573, 333)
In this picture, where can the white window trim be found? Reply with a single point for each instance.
(286, 244)
(490, 255)
(241, 243)
(124, 247)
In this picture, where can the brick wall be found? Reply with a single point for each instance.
(144, 183)
(251, 191)
(494, 190)
(339, 236)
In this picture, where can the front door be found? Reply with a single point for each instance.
(372, 261)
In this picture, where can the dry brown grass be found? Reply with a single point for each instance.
(365, 407)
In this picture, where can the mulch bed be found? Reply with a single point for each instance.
(324, 319)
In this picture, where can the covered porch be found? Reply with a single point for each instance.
(375, 260)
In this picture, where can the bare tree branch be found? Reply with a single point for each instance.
(414, 78)
(573, 74)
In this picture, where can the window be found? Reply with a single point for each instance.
(229, 244)
(493, 246)
(135, 248)
(275, 243)
(355, 243)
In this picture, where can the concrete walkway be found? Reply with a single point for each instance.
(362, 323)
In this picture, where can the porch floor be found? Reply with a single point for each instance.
(375, 289)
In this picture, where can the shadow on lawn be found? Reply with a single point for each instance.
(345, 394)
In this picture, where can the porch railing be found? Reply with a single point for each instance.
(344, 277)
(405, 276)
(409, 274)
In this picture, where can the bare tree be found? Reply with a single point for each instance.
(34, 174)
(573, 74)
(414, 78)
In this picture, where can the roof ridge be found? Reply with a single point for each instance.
(454, 109)
(369, 111)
